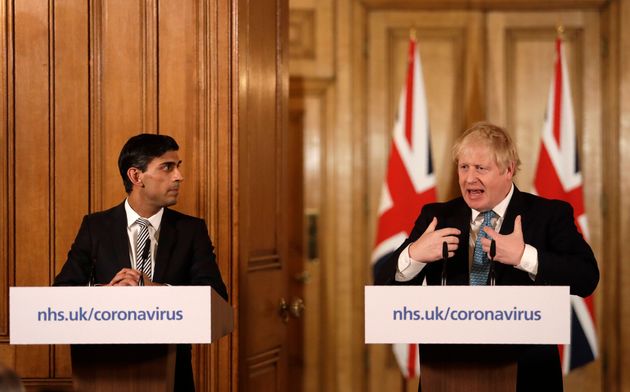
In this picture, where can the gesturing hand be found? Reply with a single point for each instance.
(428, 247)
(510, 247)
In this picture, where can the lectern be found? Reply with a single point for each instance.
(129, 367)
(469, 336)
(123, 338)
(468, 368)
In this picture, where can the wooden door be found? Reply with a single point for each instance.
(268, 199)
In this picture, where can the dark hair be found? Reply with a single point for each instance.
(9, 380)
(140, 150)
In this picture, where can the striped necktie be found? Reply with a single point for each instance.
(481, 264)
(143, 248)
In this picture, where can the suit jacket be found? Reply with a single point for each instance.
(184, 257)
(564, 258)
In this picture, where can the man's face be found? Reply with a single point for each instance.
(161, 180)
(482, 183)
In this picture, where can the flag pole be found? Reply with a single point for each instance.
(560, 31)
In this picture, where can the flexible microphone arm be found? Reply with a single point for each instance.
(444, 258)
(492, 253)
(93, 266)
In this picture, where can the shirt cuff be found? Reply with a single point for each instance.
(408, 268)
(529, 261)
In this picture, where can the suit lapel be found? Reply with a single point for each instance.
(457, 270)
(168, 234)
(120, 239)
(514, 209)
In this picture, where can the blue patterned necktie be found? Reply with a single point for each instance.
(481, 264)
(143, 247)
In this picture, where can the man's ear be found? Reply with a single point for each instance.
(511, 167)
(135, 176)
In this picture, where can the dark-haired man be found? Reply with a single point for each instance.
(537, 242)
(141, 241)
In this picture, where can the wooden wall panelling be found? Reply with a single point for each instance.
(315, 327)
(448, 45)
(71, 139)
(120, 75)
(34, 161)
(205, 358)
(328, 267)
(154, 14)
(483, 4)
(610, 343)
(344, 192)
(530, 54)
(263, 92)
(178, 115)
(95, 132)
(194, 60)
(624, 180)
(178, 96)
(87, 76)
(522, 52)
(330, 345)
(585, 77)
(451, 57)
(7, 234)
(6, 159)
(220, 81)
(311, 38)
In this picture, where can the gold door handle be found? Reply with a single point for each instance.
(297, 307)
(283, 311)
(303, 277)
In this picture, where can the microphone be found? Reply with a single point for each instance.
(93, 266)
(491, 254)
(444, 258)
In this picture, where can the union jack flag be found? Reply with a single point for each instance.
(409, 183)
(558, 176)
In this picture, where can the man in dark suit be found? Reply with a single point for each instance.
(537, 242)
(141, 241)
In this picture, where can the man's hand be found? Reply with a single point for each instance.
(428, 247)
(126, 277)
(510, 247)
(131, 277)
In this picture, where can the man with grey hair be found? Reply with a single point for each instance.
(537, 242)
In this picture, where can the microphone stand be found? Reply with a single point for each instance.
(444, 258)
(491, 254)
(91, 279)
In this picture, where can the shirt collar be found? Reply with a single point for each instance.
(500, 208)
(133, 216)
